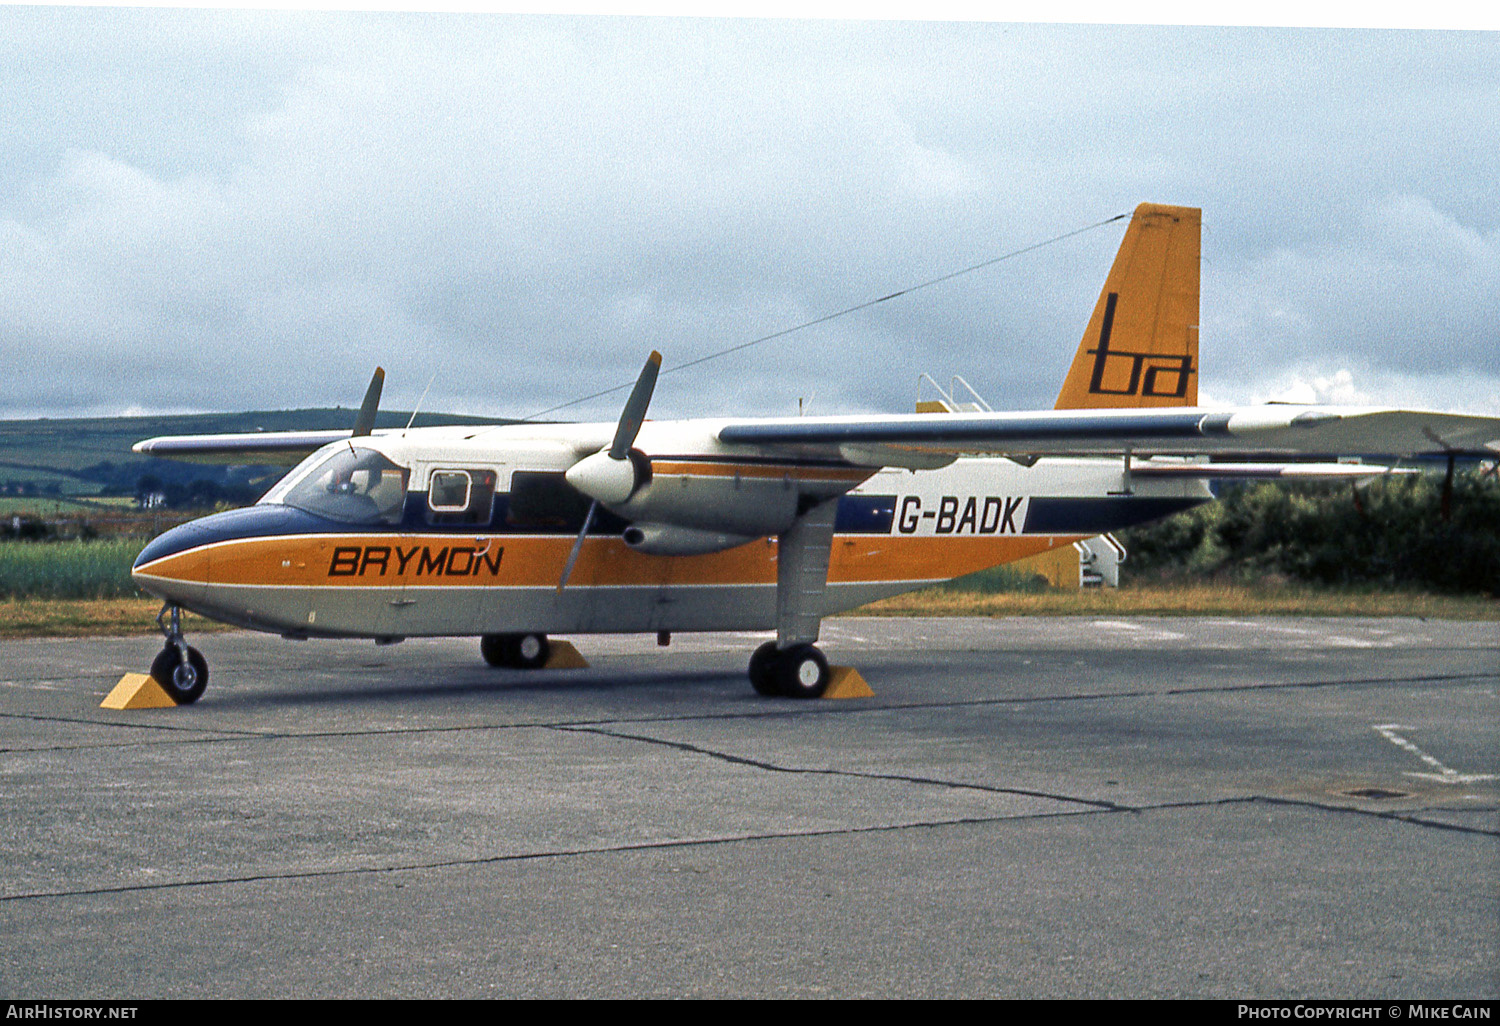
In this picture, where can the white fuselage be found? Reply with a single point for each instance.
(475, 530)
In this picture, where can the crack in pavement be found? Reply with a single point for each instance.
(561, 853)
(741, 760)
(1400, 817)
(703, 842)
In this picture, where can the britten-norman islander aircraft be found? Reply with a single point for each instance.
(513, 532)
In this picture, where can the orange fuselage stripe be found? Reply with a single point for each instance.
(386, 561)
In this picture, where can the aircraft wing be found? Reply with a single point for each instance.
(1264, 471)
(930, 439)
(269, 448)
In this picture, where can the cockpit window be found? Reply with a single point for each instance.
(356, 486)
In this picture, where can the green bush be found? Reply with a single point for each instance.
(1391, 532)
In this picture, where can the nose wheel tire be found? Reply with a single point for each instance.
(515, 651)
(182, 679)
(797, 672)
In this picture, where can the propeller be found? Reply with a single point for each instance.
(365, 422)
(1446, 506)
(609, 476)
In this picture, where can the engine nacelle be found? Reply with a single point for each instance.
(712, 497)
(666, 540)
(752, 507)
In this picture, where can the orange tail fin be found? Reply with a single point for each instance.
(1141, 346)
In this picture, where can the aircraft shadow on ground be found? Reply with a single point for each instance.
(402, 685)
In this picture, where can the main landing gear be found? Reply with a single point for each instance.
(516, 651)
(180, 669)
(799, 671)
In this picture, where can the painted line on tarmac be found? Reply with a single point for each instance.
(1444, 774)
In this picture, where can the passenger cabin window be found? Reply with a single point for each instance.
(543, 502)
(460, 496)
(355, 486)
(449, 492)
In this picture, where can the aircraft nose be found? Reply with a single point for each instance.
(174, 566)
(179, 564)
(169, 543)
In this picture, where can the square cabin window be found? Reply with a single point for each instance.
(449, 492)
(460, 496)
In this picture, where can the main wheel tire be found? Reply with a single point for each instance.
(515, 651)
(801, 672)
(494, 648)
(763, 670)
(183, 680)
(530, 651)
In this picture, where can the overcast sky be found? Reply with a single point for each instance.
(219, 210)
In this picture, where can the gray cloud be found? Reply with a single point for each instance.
(223, 210)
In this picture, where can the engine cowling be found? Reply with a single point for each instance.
(713, 498)
(667, 540)
(751, 507)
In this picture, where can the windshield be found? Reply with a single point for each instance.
(357, 486)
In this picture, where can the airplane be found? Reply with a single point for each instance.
(516, 532)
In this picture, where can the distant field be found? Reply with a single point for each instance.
(11, 505)
(51, 505)
(60, 449)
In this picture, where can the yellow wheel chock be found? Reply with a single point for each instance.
(137, 691)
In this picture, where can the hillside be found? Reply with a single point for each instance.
(68, 460)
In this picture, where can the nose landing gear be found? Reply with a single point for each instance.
(180, 669)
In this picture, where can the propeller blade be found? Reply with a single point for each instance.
(588, 521)
(1447, 502)
(365, 422)
(610, 474)
(634, 413)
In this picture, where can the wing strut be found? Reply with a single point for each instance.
(802, 552)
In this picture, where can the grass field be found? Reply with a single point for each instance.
(50, 618)
(1187, 599)
(68, 569)
(36, 618)
(38, 506)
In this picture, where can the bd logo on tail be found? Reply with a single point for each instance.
(1151, 374)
